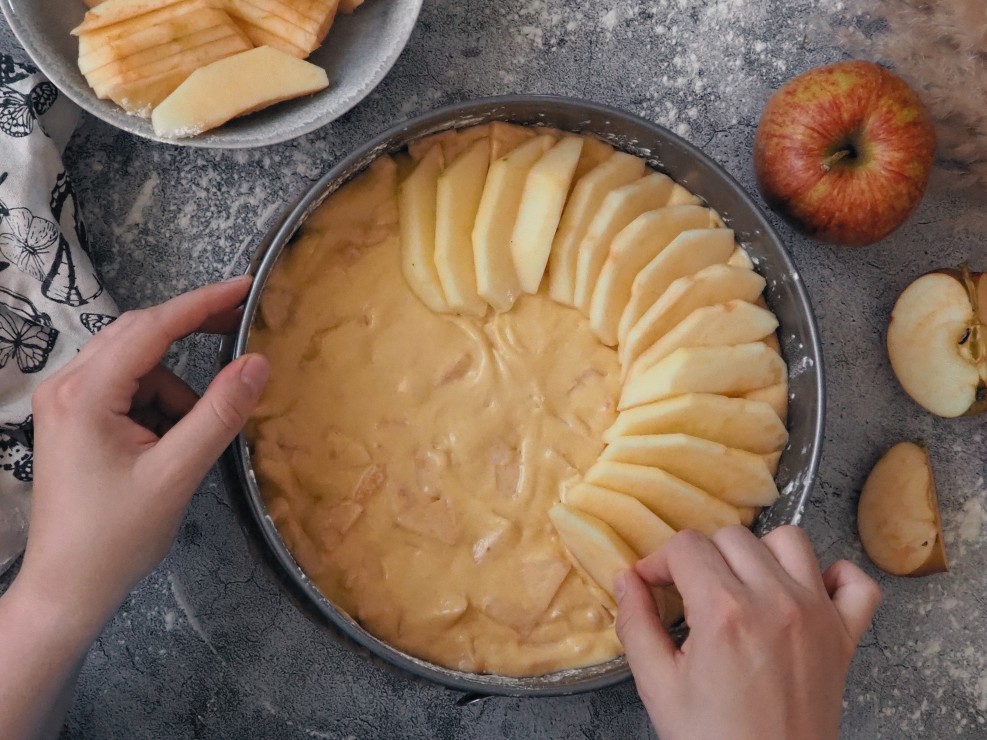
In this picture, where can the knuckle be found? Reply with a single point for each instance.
(59, 393)
(230, 418)
(788, 611)
(729, 612)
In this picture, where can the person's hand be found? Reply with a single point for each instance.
(121, 445)
(770, 638)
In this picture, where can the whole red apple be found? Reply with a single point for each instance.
(843, 152)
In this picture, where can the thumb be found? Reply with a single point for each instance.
(191, 447)
(855, 596)
(650, 650)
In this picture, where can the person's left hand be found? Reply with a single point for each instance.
(120, 446)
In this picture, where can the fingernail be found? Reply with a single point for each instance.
(254, 372)
(620, 585)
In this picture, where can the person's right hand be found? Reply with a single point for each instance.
(770, 638)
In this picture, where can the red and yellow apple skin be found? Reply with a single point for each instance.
(843, 152)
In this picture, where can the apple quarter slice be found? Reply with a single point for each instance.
(618, 209)
(775, 396)
(748, 514)
(733, 322)
(740, 478)
(458, 194)
(688, 253)
(542, 201)
(728, 371)
(595, 152)
(416, 215)
(772, 459)
(734, 422)
(634, 247)
(680, 504)
(636, 524)
(496, 280)
(740, 258)
(593, 544)
(587, 195)
(711, 285)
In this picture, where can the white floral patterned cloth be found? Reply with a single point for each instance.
(51, 300)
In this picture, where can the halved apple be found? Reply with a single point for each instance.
(542, 201)
(734, 422)
(618, 209)
(733, 322)
(416, 214)
(496, 279)
(711, 285)
(640, 527)
(680, 504)
(727, 371)
(688, 253)
(898, 514)
(458, 194)
(937, 342)
(587, 196)
(738, 477)
(633, 248)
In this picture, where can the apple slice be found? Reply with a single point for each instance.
(587, 196)
(775, 396)
(239, 84)
(496, 279)
(458, 194)
(634, 247)
(772, 459)
(595, 152)
(593, 544)
(506, 137)
(738, 477)
(898, 514)
(115, 11)
(740, 258)
(680, 504)
(542, 201)
(636, 524)
(711, 285)
(417, 218)
(937, 342)
(730, 323)
(734, 422)
(688, 253)
(748, 515)
(681, 196)
(728, 371)
(618, 209)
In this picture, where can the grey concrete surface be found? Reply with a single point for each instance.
(207, 647)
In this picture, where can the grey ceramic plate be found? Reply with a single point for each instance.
(360, 49)
(664, 151)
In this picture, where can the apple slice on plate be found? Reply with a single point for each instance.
(634, 247)
(458, 194)
(416, 214)
(738, 477)
(618, 209)
(711, 285)
(898, 514)
(587, 196)
(937, 342)
(680, 504)
(636, 524)
(688, 253)
(727, 371)
(734, 422)
(733, 322)
(542, 201)
(496, 279)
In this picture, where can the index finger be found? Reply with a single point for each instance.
(130, 347)
(691, 562)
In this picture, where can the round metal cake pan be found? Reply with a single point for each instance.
(664, 151)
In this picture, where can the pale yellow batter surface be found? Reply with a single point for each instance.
(409, 459)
